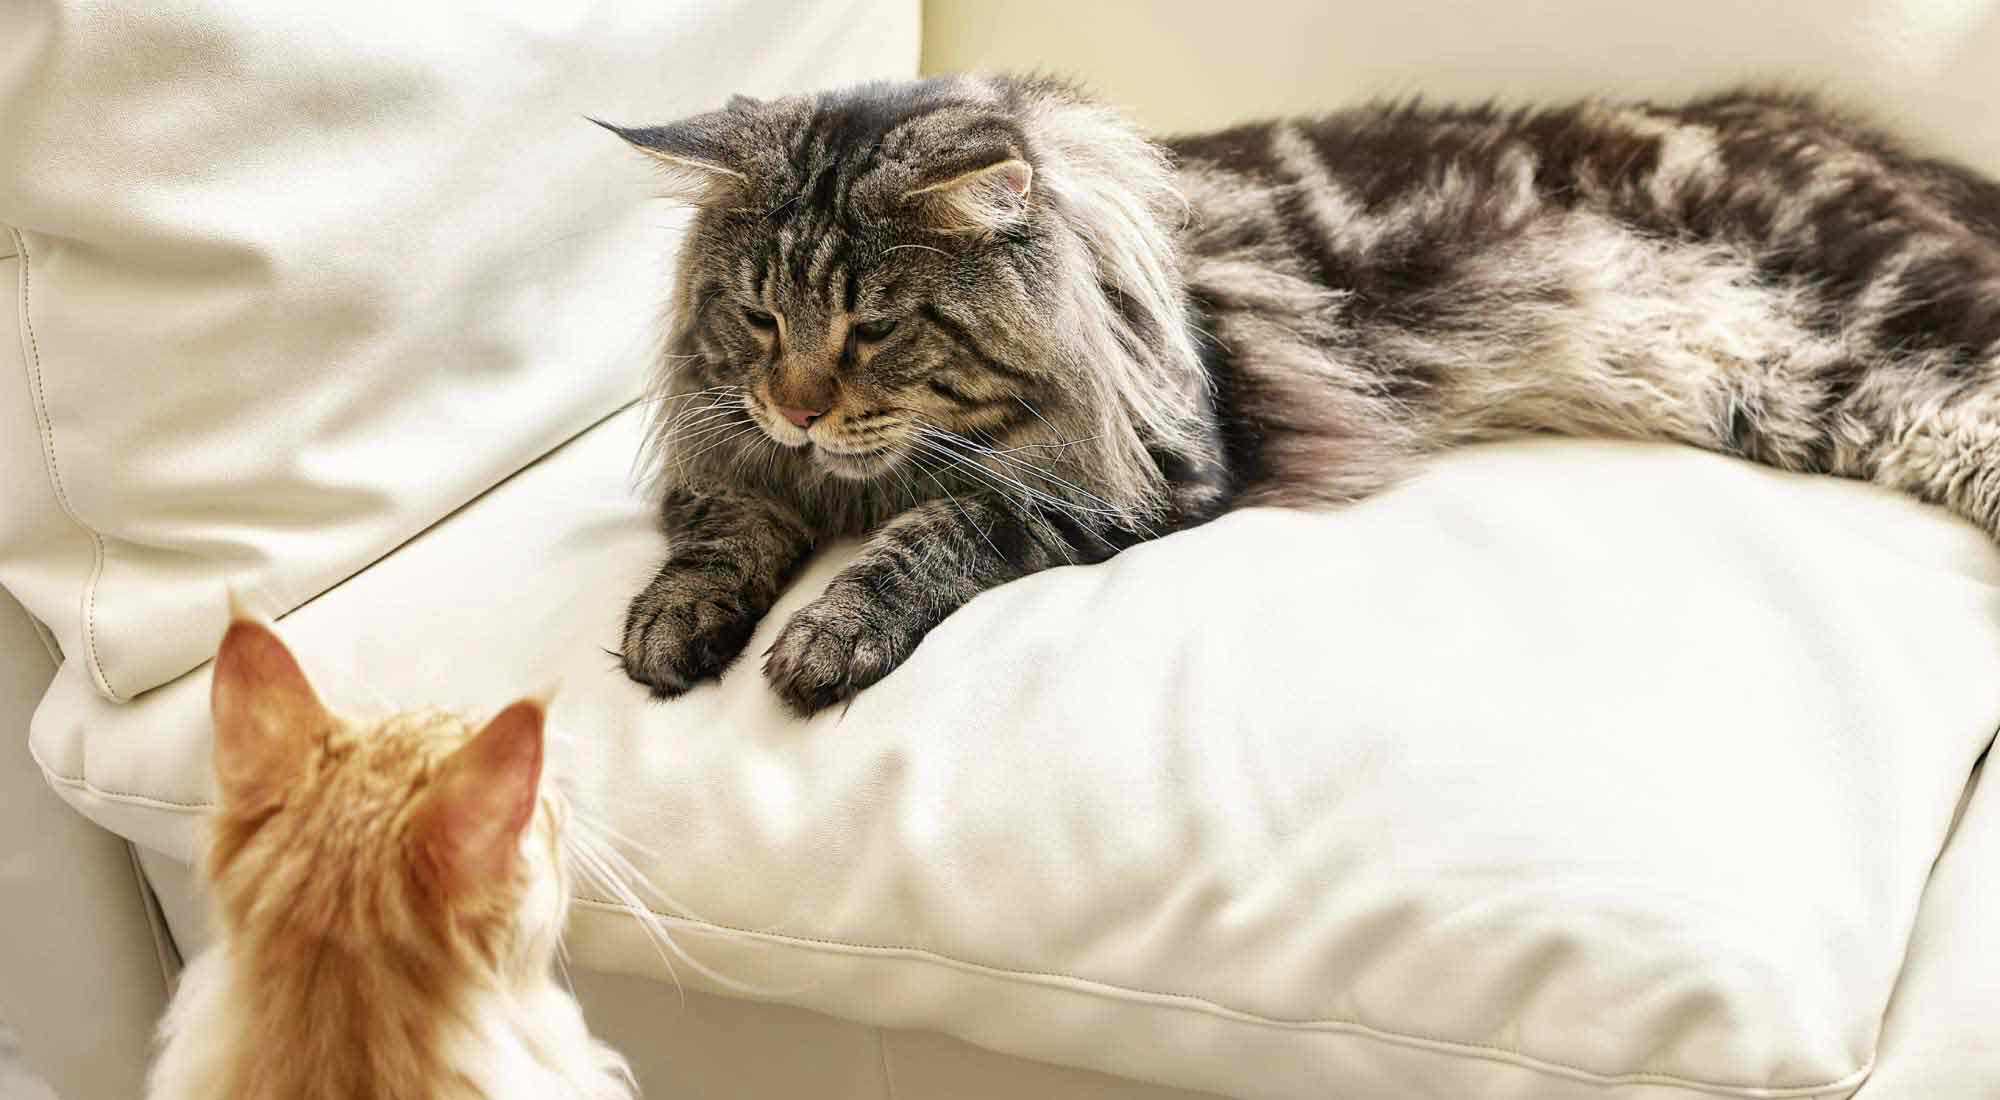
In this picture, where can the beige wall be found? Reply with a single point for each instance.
(1930, 65)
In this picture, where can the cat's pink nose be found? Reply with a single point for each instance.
(801, 418)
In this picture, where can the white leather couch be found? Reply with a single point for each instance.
(1569, 769)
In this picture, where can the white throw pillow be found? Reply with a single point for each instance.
(298, 279)
(1568, 770)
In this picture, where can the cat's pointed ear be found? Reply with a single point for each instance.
(483, 797)
(979, 196)
(267, 717)
(702, 158)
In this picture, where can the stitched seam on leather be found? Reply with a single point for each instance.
(83, 782)
(85, 785)
(1190, 1002)
(1186, 1001)
(33, 358)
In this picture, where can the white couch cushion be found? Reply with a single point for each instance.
(1938, 1038)
(1569, 769)
(300, 279)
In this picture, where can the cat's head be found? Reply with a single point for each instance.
(419, 837)
(900, 270)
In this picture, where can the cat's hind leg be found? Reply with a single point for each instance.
(1935, 439)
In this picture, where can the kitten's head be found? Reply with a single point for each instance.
(903, 269)
(419, 839)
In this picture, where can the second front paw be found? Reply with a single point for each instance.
(830, 650)
(678, 634)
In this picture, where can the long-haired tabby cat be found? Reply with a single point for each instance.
(390, 896)
(985, 322)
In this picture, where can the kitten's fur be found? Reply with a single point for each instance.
(390, 896)
(1034, 337)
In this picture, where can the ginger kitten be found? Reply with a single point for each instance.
(390, 897)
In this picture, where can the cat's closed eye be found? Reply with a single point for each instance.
(760, 320)
(872, 332)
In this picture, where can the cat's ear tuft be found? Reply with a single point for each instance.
(267, 717)
(483, 797)
(979, 199)
(699, 157)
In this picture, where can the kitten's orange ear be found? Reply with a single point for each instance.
(267, 717)
(484, 796)
(979, 198)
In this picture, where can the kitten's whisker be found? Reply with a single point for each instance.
(596, 877)
(604, 842)
(602, 866)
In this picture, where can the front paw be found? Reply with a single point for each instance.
(684, 629)
(832, 648)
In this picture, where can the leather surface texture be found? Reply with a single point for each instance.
(298, 280)
(1566, 769)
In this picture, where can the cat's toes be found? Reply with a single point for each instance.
(825, 654)
(674, 640)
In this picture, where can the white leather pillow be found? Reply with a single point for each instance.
(1569, 770)
(298, 279)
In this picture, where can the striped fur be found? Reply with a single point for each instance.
(1036, 338)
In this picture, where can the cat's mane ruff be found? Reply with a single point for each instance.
(1127, 324)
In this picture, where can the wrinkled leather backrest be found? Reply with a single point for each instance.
(298, 280)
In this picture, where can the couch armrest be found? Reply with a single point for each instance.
(81, 980)
(1938, 1039)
